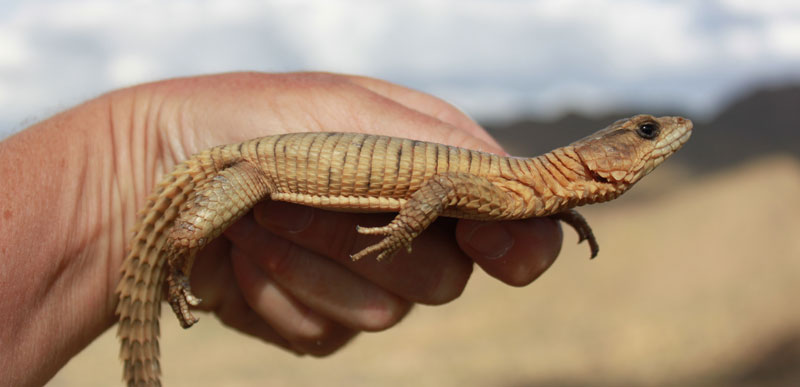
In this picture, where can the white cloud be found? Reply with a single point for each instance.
(763, 8)
(127, 69)
(14, 53)
(492, 58)
(784, 38)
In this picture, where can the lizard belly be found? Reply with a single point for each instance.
(342, 202)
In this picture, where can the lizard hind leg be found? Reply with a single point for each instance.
(215, 205)
(421, 209)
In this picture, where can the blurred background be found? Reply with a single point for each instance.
(699, 272)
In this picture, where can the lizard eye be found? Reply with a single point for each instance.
(648, 130)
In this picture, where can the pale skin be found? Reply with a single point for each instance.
(73, 184)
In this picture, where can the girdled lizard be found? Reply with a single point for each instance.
(203, 195)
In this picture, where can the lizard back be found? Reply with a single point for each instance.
(358, 172)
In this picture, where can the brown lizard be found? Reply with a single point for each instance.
(203, 195)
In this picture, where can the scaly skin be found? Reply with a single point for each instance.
(363, 173)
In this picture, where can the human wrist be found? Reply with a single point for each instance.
(56, 240)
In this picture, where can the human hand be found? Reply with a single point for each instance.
(283, 273)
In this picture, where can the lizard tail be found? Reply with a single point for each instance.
(140, 288)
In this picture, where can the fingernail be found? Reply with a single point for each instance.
(290, 217)
(490, 240)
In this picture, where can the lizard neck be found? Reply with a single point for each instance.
(560, 181)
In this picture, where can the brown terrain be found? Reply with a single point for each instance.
(696, 284)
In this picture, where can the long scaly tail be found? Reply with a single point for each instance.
(140, 288)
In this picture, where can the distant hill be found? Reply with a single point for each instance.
(765, 121)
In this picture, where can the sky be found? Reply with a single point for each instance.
(496, 60)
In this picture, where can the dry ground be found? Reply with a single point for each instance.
(696, 284)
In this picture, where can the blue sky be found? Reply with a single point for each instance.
(494, 59)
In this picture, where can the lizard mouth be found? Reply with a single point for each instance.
(676, 140)
(596, 176)
(685, 137)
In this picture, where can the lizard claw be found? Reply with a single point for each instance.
(190, 298)
(385, 230)
(395, 238)
(576, 220)
(180, 297)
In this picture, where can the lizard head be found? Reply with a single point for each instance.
(630, 148)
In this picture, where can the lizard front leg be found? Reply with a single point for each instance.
(581, 226)
(216, 204)
(451, 193)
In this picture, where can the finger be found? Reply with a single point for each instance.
(317, 282)
(515, 252)
(305, 330)
(213, 281)
(425, 104)
(436, 272)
